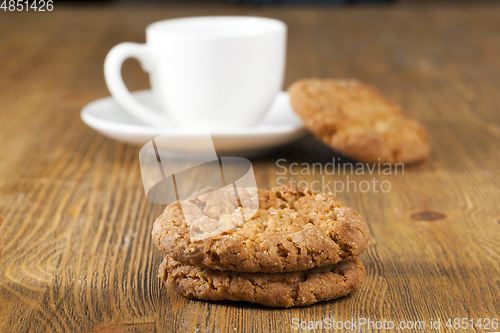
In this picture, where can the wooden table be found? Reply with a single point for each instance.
(78, 251)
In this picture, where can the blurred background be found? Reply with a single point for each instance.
(236, 2)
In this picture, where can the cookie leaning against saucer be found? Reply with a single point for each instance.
(270, 289)
(357, 120)
(292, 230)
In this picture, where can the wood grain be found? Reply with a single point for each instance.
(78, 253)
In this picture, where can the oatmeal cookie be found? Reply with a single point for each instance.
(358, 121)
(292, 230)
(271, 289)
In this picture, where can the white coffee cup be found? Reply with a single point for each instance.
(225, 69)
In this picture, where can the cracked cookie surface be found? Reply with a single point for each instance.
(270, 289)
(293, 230)
(358, 121)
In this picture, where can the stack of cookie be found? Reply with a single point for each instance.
(300, 247)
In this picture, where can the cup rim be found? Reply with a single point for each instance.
(172, 28)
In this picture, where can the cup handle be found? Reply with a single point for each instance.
(112, 73)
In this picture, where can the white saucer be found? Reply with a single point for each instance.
(280, 126)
